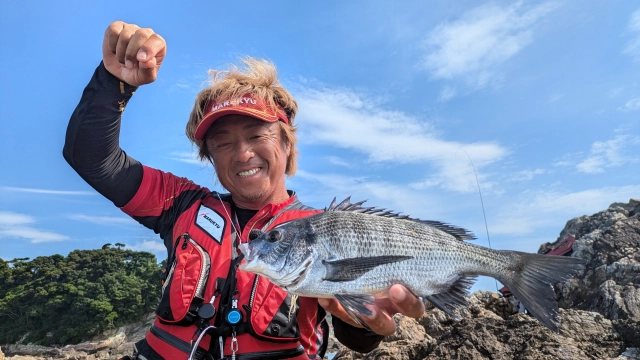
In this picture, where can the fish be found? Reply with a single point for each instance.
(355, 253)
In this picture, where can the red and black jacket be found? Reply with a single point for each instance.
(198, 224)
(171, 206)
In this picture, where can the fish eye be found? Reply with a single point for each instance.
(254, 234)
(274, 236)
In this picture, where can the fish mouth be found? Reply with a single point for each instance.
(253, 264)
(250, 252)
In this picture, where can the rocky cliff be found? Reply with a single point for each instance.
(600, 311)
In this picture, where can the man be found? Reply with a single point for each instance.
(243, 124)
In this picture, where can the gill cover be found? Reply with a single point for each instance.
(280, 254)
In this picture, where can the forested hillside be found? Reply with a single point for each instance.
(63, 300)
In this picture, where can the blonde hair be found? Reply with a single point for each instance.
(258, 77)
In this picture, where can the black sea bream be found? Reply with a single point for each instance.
(353, 253)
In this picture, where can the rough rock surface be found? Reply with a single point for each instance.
(609, 241)
(600, 311)
(112, 344)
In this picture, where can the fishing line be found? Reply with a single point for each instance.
(486, 226)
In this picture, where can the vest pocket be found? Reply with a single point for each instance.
(183, 289)
(273, 313)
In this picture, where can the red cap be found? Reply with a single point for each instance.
(246, 105)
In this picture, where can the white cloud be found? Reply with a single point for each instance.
(526, 175)
(345, 119)
(338, 161)
(631, 105)
(46, 191)
(103, 220)
(152, 246)
(8, 218)
(186, 157)
(447, 94)
(607, 154)
(32, 234)
(482, 39)
(17, 225)
(633, 48)
(536, 210)
(394, 196)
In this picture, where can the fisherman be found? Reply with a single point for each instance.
(244, 125)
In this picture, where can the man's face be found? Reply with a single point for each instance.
(250, 158)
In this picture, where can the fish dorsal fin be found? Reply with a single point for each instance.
(346, 205)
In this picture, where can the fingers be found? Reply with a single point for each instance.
(400, 300)
(333, 307)
(112, 34)
(380, 321)
(405, 302)
(151, 54)
(133, 54)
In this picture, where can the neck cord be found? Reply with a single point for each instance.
(229, 216)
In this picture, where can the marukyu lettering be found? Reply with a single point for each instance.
(210, 222)
(206, 216)
(244, 100)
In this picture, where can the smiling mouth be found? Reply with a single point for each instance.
(249, 172)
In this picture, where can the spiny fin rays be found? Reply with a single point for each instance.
(346, 205)
(454, 296)
(354, 305)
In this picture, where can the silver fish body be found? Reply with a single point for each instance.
(353, 253)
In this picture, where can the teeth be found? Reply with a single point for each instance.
(248, 172)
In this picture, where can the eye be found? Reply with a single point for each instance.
(273, 236)
(254, 234)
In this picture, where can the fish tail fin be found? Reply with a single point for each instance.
(531, 280)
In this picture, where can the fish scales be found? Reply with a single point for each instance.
(436, 254)
(353, 253)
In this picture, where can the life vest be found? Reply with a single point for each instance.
(202, 249)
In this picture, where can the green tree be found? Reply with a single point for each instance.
(76, 297)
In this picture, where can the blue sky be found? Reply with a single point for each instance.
(544, 97)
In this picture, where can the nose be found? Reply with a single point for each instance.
(244, 151)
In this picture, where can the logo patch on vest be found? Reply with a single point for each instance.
(211, 222)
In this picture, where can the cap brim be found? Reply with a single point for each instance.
(208, 120)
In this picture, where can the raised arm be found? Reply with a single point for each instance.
(131, 57)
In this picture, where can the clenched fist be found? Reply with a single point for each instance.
(133, 54)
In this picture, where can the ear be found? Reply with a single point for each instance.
(287, 149)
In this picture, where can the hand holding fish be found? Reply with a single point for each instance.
(400, 300)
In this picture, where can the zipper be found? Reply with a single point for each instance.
(175, 262)
(206, 263)
(253, 291)
(168, 278)
(204, 270)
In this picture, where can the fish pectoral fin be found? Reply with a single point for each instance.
(448, 300)
(354, 305)
(353, 268)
